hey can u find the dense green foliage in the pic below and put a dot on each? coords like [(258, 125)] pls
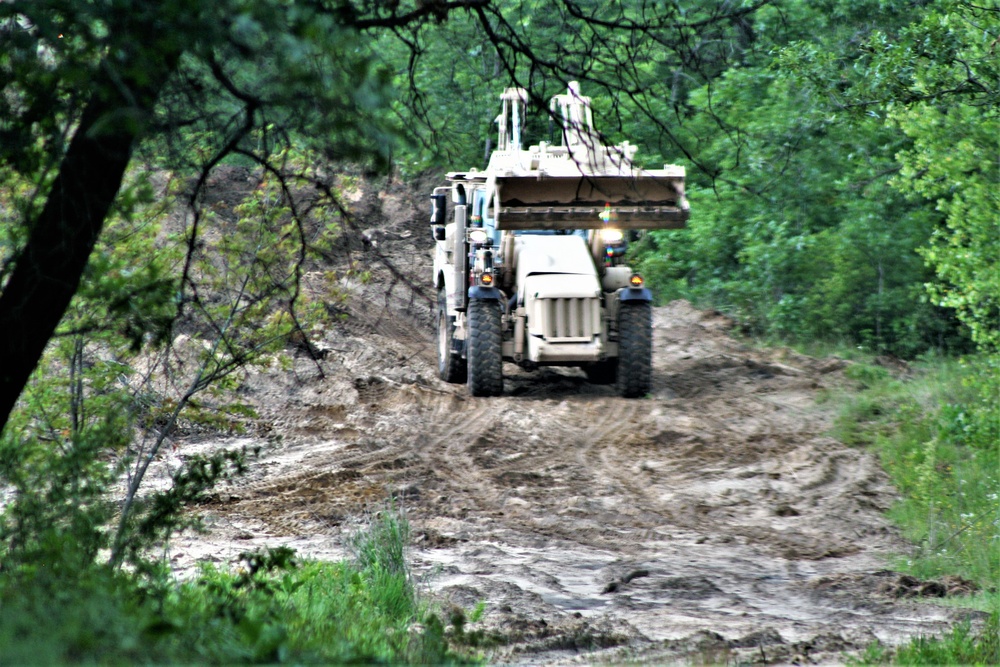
[(842, 156), (937, 435), (837, 192), (272, 609), (937, 431), (961, 646)]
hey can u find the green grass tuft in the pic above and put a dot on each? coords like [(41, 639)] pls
[(937, 433), (961, 646)]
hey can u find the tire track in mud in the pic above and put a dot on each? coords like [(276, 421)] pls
[(451, 431), (706, 523), (614, 502), (714, 515), (597, 450), (519, 476)]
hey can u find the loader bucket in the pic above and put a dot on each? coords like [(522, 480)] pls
[(650, 200)]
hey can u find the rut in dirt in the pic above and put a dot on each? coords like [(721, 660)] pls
[(715, 514)]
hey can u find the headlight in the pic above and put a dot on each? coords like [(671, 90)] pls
[(486, 280), (612, 235), (636, 280), (478, 236)]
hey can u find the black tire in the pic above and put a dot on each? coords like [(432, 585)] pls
[(451, 367), (602, 372), (485, 356), (635, 349)]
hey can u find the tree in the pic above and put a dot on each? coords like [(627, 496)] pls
[(115, 73), (798, 233), (637, 59), (934, 82), (245, 77), (122, 93), (949, 105), (810, 155)]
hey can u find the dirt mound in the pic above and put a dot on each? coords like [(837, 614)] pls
[(714, 517)]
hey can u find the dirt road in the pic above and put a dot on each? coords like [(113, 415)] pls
[(714, 519)]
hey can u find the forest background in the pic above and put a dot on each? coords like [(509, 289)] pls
[(843, 168)]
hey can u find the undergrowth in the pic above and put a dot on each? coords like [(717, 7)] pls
[(272, 609), (937, 432), (961, 646)]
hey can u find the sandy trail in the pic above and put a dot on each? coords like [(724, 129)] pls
[(714, 518)]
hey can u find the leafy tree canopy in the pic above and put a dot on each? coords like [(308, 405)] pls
[(189, 84)]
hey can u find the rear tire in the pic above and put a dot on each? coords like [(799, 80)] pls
[(635, 349), (485, 362), (451, 367)]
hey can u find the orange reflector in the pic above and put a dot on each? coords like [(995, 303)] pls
[(635, 280)]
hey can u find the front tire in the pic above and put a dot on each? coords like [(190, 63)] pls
[(485, 362), (451, 367), (635, 349)]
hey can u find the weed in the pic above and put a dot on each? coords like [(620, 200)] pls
[(961, 646), (382, 544), (866, 374), (938, 436), (271, 608)]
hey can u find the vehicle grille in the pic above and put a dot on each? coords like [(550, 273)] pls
[(570, 319)]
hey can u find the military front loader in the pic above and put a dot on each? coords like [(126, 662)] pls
[(528, 262)]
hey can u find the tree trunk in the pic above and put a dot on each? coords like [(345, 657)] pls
[(48, 269)]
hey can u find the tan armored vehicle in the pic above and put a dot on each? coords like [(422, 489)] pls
[(528, 261)]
